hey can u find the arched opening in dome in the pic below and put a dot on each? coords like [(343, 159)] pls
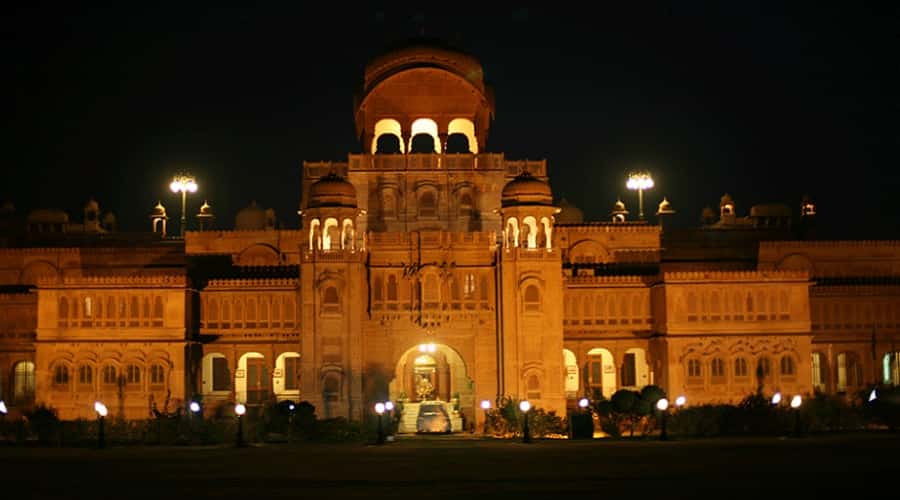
[(465, 127), (457, 143), (388, 144), (422, 143), (428, 127), (390, 128), (331, 234), (529, 232)]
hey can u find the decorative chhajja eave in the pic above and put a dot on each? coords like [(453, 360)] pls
[(254, 283), (733, 276)]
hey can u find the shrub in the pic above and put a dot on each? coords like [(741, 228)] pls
[(506, 421)]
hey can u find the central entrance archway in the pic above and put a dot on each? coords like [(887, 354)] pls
[(432, 376)]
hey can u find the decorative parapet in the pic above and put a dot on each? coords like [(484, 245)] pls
[(609, 227), (161, 280), (432, 239), (611, 280), (710, 276), (243, 234), (231, 283), (537, 168), (413, 161), (531, 253)]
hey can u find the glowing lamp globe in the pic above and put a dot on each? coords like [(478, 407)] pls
[(662, 404), (796, 401), (389, 405), (680, 401), (583, 402), (873, 396), (776, 399), (3, 409), (485, 404), (379, 408), (195, 407), (525, 406), (291, 407), (240, 409), (100, 408)]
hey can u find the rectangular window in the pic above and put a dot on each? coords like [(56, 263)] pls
[(291, 374), (221, 375)]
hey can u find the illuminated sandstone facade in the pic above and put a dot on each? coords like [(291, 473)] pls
[(428, 268)]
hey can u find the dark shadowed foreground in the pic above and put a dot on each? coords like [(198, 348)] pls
[(858, 465)]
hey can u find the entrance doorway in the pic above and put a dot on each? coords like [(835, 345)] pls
[(257, 380)]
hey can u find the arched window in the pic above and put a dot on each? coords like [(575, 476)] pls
[(110, 311), (717, 370), (63, 312), (465, 204), (212, 314), (132, 374), (157, 375), (85, 375), (60, 376), (818, 371), (455, 293), (531, 299), (533, 387), (422, 144), (238, 318), (250, 314), (787, 366), (331, 387), (764, 367), (157, 311), (427, 204), (134, 313), (431, 294), (377, 287), (264, 312), (740, 368), (392, 296), (23, 381), (331, 302), (694, 371), (483, 292), (109, 375), (145, 318)]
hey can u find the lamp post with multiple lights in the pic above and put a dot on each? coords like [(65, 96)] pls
[(639, 181), (183, 184), (101, 410)]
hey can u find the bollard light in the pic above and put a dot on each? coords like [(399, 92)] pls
[(680, 401), (776, 398), (583, 403), (662, 404), (796, 401)]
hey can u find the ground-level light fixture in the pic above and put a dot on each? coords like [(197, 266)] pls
[(680, 401), (583, 403), (776, 398)]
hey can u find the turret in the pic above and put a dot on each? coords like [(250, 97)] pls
[(159, 219)]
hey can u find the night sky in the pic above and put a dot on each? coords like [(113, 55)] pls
[(766, 102)]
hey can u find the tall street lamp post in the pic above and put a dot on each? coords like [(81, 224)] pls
[(239, 410), (485, 405), (524, 406), (663, 406), (639, 181), (101, 410), (379, 410), (183, 184), (796, 401)]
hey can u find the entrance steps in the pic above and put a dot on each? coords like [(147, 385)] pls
[(411, 413)]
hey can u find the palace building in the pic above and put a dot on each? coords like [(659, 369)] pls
[(428, 268)]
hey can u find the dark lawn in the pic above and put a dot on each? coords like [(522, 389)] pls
[(421, 468)]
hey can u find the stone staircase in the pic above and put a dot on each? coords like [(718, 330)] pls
[(411, 413)]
